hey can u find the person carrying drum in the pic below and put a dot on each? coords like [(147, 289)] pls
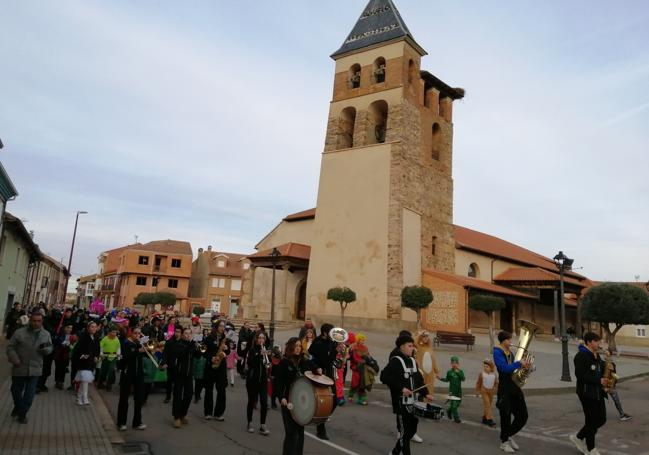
[(324, 351), (292, 366), (400, 375)]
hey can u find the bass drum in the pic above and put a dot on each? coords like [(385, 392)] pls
[(312, 403)]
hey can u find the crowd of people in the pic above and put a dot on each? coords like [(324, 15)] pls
[(193, 362)]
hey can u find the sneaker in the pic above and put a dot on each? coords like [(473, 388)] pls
[(581, 445), (177, 423), (250, 428), (416, 438), (491, 423), (459, 421), (263, 430), (594, 452), (141, 427), (78, 402), (122, 428), (208, 417), (341, 401), (625, 417), (219, 418), (505, 447), (513, 444), (22, 419)]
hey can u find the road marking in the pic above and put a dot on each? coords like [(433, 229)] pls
[(331, 444)]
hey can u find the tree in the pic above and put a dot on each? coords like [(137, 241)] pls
[(615, 303), (344, 296), (488, 304), (164, 299), (416, 298), (198, 310)]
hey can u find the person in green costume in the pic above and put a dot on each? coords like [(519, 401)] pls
[(454, 377)]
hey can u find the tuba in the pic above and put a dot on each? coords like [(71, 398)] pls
[(340, 336), (527, 332)]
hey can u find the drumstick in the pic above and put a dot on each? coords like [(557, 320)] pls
[(422, 387), (289, 406)]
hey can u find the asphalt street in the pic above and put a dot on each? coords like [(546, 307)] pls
[(355, 429)]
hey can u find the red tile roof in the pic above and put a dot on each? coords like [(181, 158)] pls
[(166, 246), (290, 250), (299, 216), (474, 283), (527, 274), (233, 266)]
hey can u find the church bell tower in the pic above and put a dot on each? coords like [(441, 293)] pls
[(385, 197)]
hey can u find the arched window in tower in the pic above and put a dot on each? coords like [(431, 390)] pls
[(474, 270), (355, 76), (377, 122), (379, 70), (346, 124), (436, 140)]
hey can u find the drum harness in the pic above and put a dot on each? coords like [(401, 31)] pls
[(408, 373)]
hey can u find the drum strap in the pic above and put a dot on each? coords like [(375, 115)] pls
[(408, 374)]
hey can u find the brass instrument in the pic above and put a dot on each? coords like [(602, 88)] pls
[(340, 336), (149, 347), (527, 332), (201, 347), (266, 359), (609, 374), (220, 354)]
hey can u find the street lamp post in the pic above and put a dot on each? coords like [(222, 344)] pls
[(74, 236), (273, 256), (563, 263)]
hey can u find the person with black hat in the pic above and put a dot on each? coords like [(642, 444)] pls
[(510, 401), (400, 375), (323, 351)]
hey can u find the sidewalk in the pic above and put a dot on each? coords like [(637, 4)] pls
[(56, 426)]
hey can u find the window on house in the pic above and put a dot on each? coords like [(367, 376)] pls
[(235, 285), (154, 281), (218, 282), (474, 271), (433, 245), (379, 70), (355, 76), (220, 264), (436, 139), (641, 332), (140, 281), (175, 263), (173, 283), (246, 266), (143, 260)]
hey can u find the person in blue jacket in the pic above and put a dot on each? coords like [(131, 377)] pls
[(510, 401)]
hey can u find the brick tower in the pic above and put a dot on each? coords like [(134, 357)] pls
[(385, 197)]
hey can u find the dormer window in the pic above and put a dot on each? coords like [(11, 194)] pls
[(379, 70), (355, 76), (220, 263)]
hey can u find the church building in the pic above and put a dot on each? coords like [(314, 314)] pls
[(384, 215)]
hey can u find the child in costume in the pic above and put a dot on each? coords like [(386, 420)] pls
[(486, 387), (454, 377), (359, 353), (426, 359), (109, 351)]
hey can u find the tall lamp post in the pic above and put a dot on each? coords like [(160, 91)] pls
[(563, 263), (74, 236), (273, 257)]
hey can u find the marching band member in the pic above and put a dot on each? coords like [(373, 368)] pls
[(324, 351), (511, 400), (293, 365), (183, 382), (257, 364), (215, 376), (401, 376), (169, 361), (589, 369), (131, 380)]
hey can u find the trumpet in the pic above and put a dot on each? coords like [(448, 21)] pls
[(266, 359), (149, 347)]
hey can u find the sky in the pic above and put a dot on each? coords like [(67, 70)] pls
[(205, 121)]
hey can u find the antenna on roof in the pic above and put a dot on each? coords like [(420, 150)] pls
[(136, 238)]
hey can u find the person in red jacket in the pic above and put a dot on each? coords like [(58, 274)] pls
[(359, 352)]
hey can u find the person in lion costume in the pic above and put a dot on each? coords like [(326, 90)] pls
[(426, 359)]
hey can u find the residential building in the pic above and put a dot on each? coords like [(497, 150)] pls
[(8, 192), (17, 252), (85, 290), (217, 279), (46, 282)]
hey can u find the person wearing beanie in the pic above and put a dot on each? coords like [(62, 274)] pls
[(510, 401), (486, 387), (402, 377), (454, 377)]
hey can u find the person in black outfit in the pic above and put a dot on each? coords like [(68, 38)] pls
[(257, 365), (183, 358), (50, 323), (323, 350), (243, 346), (13, 319), (86, 354), (131, 380), (62, 355), (293, 365), (589, 370), (154, 329), (400, 375), (169, 362), (510, 400), (215, 377)]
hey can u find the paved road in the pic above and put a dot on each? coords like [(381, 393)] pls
[(370, 430)]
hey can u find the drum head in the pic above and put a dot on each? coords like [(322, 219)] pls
[(319, 378), (302, 396), (427, 363)]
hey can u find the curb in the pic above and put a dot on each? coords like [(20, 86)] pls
[(105, 419)]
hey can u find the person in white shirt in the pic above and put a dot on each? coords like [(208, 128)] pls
[(486, 387)]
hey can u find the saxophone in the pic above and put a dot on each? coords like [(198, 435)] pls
[(220, 354), (528, 330), (609, 372)]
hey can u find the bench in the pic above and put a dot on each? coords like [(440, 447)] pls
[(454, 338)]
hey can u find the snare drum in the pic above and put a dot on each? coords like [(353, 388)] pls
[(428, 410), (312, 402)]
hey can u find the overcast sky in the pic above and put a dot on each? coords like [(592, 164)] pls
[(204, 121)]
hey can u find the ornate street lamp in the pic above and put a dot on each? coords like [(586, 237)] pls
[(273, 257), (74, 236), (563, 263)]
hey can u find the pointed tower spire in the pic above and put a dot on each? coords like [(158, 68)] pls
[(380, 22)]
